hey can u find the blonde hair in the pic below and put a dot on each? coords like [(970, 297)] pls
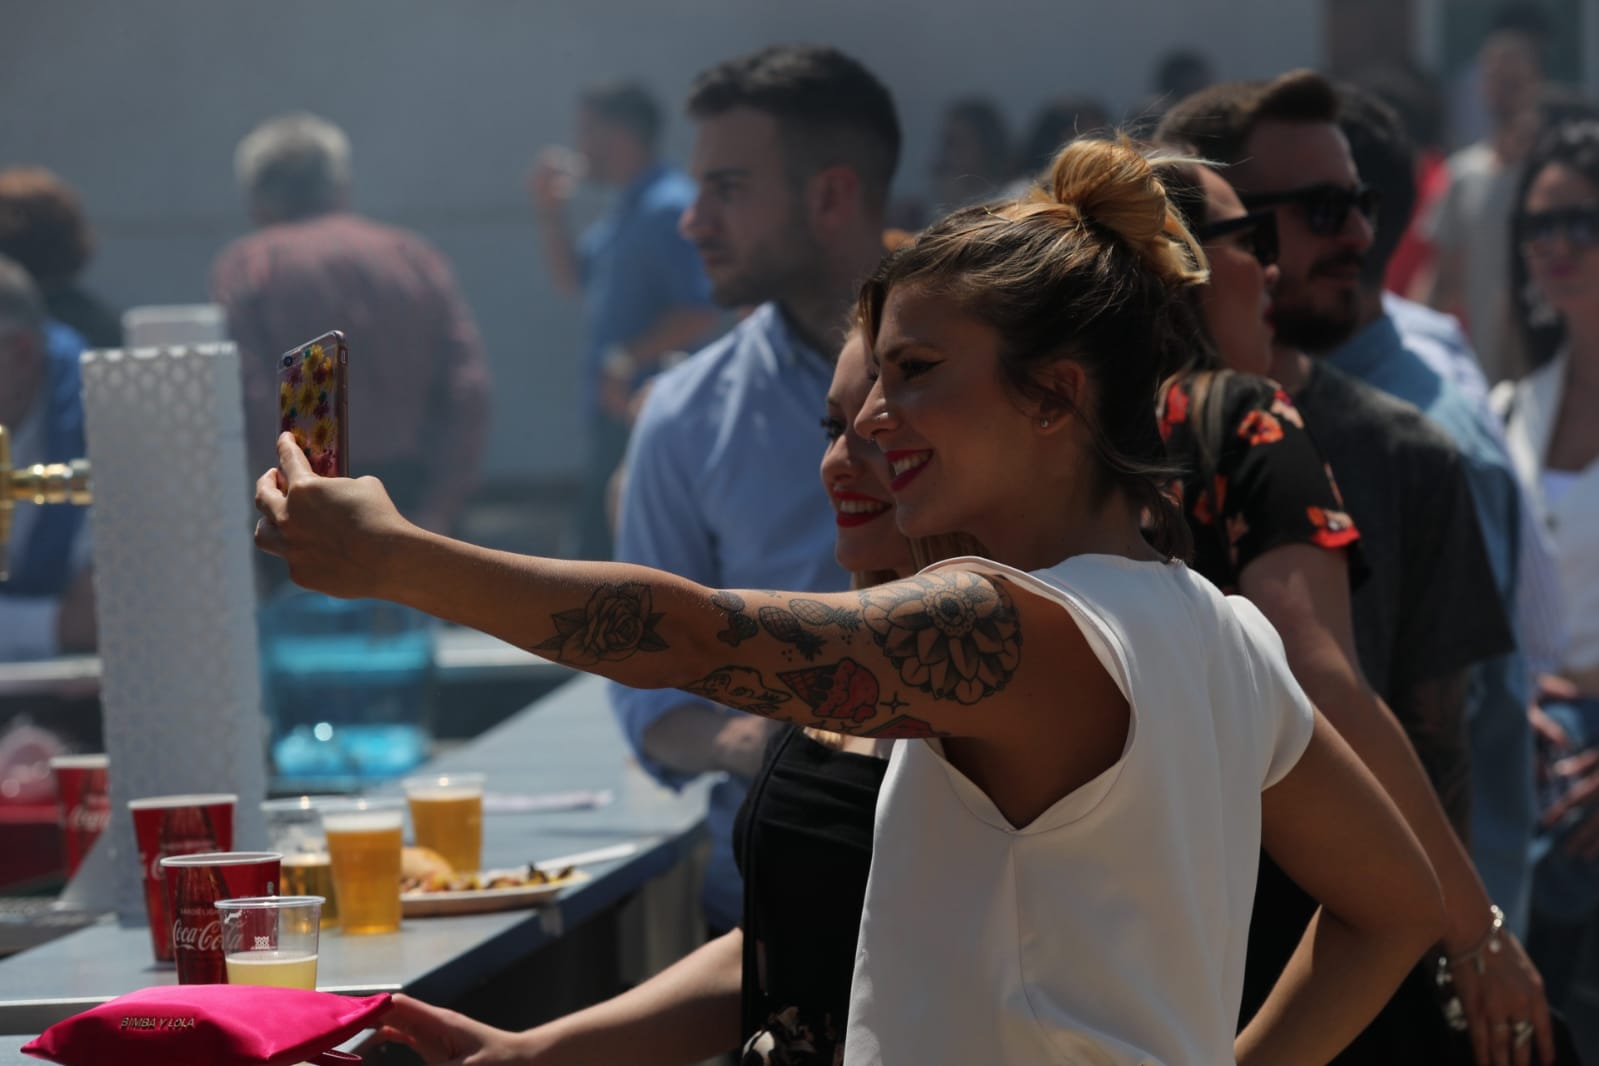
[(1086, 268), (1117, 185)]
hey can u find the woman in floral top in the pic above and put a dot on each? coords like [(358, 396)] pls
[(1268, 523), (1267, 487)]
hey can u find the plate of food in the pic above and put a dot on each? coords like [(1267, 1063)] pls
[(429, 887)]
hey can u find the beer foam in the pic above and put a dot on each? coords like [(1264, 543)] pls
[(459, 792), (307, 859), (362, 821)]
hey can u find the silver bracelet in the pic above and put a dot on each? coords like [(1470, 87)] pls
[(1490, 942)]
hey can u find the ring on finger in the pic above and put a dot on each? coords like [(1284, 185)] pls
[(1523, 1031)]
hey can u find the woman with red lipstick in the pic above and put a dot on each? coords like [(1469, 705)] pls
[(1268, 522), (806, 827), (780, 982), (1063, 863)]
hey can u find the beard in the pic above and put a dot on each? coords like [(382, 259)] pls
[(769, 269), (750, 284), (1317, 330)]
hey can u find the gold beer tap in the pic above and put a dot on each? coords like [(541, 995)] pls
[(40, 483)]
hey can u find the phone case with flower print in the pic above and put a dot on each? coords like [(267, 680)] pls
[(312, 397)]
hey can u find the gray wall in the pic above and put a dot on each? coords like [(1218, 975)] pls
[(139, 103)]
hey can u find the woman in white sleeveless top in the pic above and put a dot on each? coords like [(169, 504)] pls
[(1065, 858)]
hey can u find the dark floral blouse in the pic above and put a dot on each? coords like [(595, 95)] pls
[(1263, 484)]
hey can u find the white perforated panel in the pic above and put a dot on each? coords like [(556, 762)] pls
[(173, 578)]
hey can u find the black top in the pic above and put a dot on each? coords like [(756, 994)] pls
[(1432, 607), (803, 841), (1429, 607)]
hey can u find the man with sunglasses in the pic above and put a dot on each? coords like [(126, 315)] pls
[(1427, 611)]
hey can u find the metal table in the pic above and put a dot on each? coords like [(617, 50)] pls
[(566, 742)]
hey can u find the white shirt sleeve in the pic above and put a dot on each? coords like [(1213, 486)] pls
[(1284, 716)]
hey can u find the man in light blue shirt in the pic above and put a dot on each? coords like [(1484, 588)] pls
[(794, 152), (1381, 353), (644, 294)]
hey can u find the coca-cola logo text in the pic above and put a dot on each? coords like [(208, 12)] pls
[(197, 937), (87, 819)]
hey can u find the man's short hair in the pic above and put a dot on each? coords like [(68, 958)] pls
[(1219, 120), (21, 306), (828, 107), (294, 166), (42, 225), (627, 104), (1386, 159)]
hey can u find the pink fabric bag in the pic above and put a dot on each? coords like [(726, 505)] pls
[(211, 1025)]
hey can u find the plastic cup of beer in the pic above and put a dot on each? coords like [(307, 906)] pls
[(447, 816), (294, 827), (271, 940), (364, 841)]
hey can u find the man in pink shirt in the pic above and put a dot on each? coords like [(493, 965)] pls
[(419, 382)]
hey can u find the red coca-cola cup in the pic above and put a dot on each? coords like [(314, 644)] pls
[(85, 800), (175, 825), (194, 883)]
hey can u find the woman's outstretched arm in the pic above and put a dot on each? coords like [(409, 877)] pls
[(939, 654)]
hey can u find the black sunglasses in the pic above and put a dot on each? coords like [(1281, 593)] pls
[(1258, 228), (1578, 225), (1326, 207)]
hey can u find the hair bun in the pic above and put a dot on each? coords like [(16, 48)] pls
[(1113, 185)]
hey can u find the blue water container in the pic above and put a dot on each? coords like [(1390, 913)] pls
[(348, 687)]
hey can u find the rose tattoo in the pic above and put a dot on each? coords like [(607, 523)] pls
[(616, 623)]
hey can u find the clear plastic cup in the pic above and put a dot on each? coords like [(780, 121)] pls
[(271, 940), (294, 826), (365, 837), (447, 816), (194, 883)]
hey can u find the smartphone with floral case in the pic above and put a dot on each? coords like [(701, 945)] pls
[(312, 398)]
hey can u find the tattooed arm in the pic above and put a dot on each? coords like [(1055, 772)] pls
[(911, 658)]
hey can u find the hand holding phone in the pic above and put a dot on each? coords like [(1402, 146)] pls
[(313, 401)]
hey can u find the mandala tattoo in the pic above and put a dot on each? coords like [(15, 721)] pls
[(615, 624), (844, 690), (740, 626), (955, 635), (741, 688)]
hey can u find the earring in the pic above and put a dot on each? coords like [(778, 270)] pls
[(1043, 423), (1539, 312)]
